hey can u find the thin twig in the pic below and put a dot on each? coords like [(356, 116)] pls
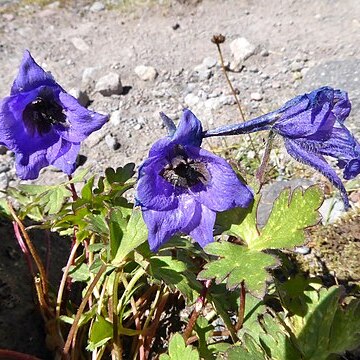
[(260, 174), (74, 326), (234, 94)]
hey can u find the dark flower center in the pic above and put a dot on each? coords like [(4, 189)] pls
[(185, 172), (41, 114)]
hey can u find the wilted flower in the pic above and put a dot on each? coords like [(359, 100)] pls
[(312, 126), (181, 186), (42, 124)]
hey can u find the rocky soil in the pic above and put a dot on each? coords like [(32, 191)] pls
[(133, 59)]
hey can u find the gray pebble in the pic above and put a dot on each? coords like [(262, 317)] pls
[(80, 96), (115, 118), (191, 99), (109, 84), (256, 96), (209, 62), (296, 66), (97, 6), (4, 181), (146, 73), (202, 72), (112, 142)]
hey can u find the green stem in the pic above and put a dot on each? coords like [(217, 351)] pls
[(116, 352), (138, 274), (63, 279)]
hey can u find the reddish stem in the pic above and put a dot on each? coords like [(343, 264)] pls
[(23, 248), (72, 189), (14, 355), (196, 312), (154, 326)]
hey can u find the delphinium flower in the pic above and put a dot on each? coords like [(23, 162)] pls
[(42, 124), (312, 126), (181, 186)]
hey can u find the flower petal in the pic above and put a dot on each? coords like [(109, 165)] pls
[(314, 122), (81, 122), (153, 191), (65, 159), (162, 225), (30, 76), (189, 130), (225, 190), (342, 106), (170, 125), (202, 232), (28, 166), (260, 123), (342, 146), (316, 161)]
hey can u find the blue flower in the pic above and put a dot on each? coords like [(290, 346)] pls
[(312, 126), (181, 186), (42, 124)]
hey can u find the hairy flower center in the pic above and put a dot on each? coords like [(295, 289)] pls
[(185, 172), (41, 114)]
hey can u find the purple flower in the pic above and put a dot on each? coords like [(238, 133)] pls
[(181, 186), (42, 124), (312, 126)]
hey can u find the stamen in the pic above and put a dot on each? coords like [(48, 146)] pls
[(185, 172), (41, 114)]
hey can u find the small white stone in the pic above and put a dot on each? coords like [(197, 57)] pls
[(89, 77), (146, 73), (115, 118), (209, 62), (97, 6), (256, 96), (111, 142), (241, 49), (251, 154), (80, 44), (80, 96), (202, 72), (296, 66), (191, 100), (276, 85), (109, 84)]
